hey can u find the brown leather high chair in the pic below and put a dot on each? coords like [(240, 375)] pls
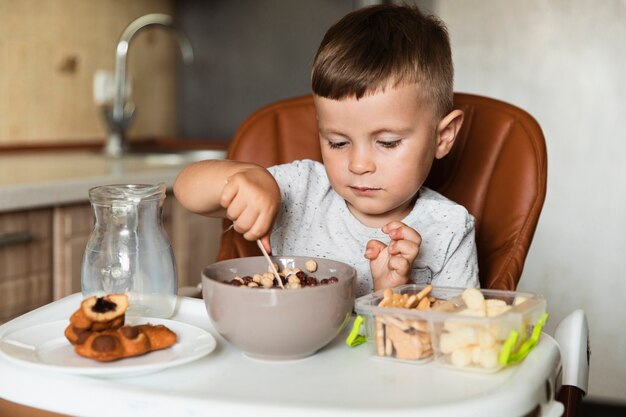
[(497, 169)]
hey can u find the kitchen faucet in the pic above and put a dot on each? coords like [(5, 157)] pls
[(119, 117)]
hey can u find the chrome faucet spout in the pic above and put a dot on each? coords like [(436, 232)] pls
[(119, 117)]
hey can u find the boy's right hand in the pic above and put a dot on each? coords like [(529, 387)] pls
[(251, 198)]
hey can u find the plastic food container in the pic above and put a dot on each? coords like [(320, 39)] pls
[(398, 333), (489, 335), (476, 330)]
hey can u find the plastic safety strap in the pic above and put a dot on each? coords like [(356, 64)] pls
[(508, 356), (355, 338)]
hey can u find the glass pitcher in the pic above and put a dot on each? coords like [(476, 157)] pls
[(129, 251)]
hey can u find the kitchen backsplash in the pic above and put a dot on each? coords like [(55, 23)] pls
[(49, 53)]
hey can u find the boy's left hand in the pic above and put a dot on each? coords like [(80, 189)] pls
[(391, 264)]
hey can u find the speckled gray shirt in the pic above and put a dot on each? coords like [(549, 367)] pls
[(315, 221)]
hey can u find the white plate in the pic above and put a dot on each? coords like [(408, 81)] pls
[(44, 347)]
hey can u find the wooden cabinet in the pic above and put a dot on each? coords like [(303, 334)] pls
[(72, 227), (194, 238), (25, 261)]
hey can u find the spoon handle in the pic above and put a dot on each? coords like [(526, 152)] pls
[(271, 264)]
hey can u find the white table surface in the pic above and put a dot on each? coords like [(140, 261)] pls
[(37, 179), (338, 380)]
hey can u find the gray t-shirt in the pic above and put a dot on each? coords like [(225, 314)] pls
[(314, 221)]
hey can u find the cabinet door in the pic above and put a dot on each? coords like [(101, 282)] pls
[(72, 227), (25, 261), (195, 240)]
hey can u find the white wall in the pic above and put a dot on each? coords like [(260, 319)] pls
[(564, 62)]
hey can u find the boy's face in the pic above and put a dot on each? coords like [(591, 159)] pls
[(378, 151)]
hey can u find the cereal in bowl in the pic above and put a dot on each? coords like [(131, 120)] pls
[(291, 278)]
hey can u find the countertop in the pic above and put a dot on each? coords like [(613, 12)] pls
[(40, 179)]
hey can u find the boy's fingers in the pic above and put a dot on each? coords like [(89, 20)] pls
[(261, 227), (235, 211), (395, 279), (244, 224), (402, 232), (373, 249), (405, 233), (265, 240), (228, 194), (392, 225), (405, 248), (400, 265)]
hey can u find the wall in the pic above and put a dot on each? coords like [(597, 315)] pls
[(249, 53), (49, 52), (563, 61)]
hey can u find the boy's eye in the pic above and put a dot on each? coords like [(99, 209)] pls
[(336, 145), (389, 144)]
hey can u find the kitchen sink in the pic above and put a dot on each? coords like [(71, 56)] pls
[(169, 157)]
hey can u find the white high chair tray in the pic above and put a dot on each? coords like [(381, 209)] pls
[(337, 381)]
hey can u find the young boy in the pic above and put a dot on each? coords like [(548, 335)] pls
[(382, 84)]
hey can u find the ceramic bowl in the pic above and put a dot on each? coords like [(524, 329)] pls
[(277, 324)]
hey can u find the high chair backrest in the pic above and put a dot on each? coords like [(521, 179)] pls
[(497, 169)]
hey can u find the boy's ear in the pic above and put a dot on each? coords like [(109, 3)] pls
[(447, 130)]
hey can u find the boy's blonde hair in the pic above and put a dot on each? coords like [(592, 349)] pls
[(377, 46)]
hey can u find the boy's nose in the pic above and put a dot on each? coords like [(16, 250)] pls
[(361, 162)]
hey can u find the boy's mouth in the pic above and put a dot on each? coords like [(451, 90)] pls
[(362, 190)]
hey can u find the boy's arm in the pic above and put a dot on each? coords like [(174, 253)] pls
[(199, 186), (243, 192)]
